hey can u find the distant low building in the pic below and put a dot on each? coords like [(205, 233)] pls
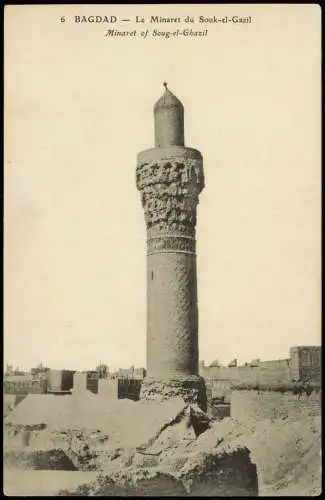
[(139, 373), (125, 372), (255, 362), (131, 373), (306, 363), (60, 380), (9, 370)]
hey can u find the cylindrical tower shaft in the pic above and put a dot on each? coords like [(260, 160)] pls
[(172, 323), (170, 178)]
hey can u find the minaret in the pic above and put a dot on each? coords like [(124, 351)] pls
[(170, 178)]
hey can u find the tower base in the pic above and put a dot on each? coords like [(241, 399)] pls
[(191, 388)]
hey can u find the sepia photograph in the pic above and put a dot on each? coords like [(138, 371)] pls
[(162, 250)]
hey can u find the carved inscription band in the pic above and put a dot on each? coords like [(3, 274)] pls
[(171, 243)]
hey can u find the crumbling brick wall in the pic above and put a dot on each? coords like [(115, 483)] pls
[(273, 404)]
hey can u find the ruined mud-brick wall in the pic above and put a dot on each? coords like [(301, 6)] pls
[(304, 364), (86, 380), (129, 388), (268, 372), (272, 404), (107, 387), (25, 386), (120, 388), (170, 185)]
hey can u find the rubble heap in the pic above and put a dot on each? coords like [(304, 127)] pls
[(138, 448)]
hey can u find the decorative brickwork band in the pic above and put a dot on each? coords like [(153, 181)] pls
[(165, 243)]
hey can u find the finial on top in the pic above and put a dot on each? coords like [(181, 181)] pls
[(169, 120), (167, 100)]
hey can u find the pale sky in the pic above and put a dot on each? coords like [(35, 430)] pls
[(78, 109)]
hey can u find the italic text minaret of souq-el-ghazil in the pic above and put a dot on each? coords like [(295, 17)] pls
[(170, 178)]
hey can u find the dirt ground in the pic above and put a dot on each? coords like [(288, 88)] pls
[(42, 482)]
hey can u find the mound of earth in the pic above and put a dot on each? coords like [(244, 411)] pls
[(141, 448), (87, 429), (287, 452)]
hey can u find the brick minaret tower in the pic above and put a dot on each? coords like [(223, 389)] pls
[(170, 178)]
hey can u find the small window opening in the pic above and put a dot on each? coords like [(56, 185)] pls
[(151, 275)]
